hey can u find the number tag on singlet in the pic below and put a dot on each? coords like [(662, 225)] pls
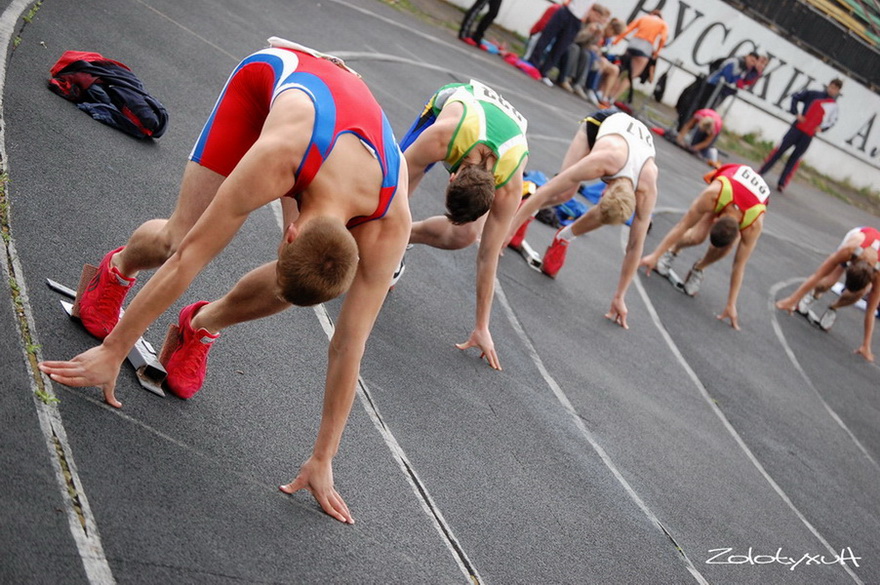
[(752, 181), (639, 131), (486, 94)]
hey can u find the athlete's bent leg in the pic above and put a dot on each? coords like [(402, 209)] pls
[(156, 240)]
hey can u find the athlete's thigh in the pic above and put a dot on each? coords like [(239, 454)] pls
[(197, 190), (578, 149)]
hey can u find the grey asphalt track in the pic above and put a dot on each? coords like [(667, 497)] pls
[(597, 455)]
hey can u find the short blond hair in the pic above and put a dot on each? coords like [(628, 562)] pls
[(618, 202), (707, 125), (319, 264)]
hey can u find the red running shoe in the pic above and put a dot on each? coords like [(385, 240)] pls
[(517, 239), (554, 257), (188, 364), (101, 301)]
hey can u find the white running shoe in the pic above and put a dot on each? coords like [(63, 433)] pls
[(398, 272), (693, 282), (828, 318), (593, 97), (664, 264), (803, 306)]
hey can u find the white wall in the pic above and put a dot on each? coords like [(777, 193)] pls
[(705, 30)]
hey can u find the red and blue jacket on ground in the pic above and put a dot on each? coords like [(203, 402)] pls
[(109, 92)]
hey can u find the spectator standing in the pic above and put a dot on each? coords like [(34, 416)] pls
[(649, 37), (818, 113), (468, 30), (537, 29), (560, 31)]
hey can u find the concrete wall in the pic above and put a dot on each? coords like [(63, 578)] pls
[(705, 30)]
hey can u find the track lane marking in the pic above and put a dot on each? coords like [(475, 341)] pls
[(81, 520), (704, 393), (777, 329)]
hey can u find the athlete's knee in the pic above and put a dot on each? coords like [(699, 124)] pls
[(166, 238)]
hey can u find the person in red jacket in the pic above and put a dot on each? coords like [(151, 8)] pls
[(819, 113), (729, 211)]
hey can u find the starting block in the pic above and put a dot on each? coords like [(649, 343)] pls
[(675, 280), (530, 256), (148, 366)]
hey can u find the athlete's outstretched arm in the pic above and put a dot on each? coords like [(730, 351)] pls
[(380, 244), (744, 249), (493, 238), (646, 198), (870, 316)]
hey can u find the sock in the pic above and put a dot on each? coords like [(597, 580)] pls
[(566, 234)]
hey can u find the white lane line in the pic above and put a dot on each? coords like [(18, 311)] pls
[(724, 421), (582, 427), (81, 521), (431, 509), (771, 306), (189, 31)]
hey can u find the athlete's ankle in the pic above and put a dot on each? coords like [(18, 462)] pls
[(201, 319), (566, 234), (117, 261)]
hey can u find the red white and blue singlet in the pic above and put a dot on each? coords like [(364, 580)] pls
[(343, 104)]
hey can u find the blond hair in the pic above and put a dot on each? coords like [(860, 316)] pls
[(319, 264), (707, 125), (618, 202)]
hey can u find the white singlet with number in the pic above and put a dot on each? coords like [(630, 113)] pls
[(639, 140)]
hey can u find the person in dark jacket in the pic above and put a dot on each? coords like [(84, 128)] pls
[(470, 30), (818, 113)]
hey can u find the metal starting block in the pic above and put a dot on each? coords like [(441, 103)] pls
[(675, 280), (530, 256), (142, 357)]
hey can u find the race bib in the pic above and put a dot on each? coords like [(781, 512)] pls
[(640, 132), (488, 95), (752, 181)]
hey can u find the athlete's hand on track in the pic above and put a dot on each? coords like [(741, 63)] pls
[(482, 339), (317, 476), (729, 313), (618, 312), (649, 263), (94, 367)]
